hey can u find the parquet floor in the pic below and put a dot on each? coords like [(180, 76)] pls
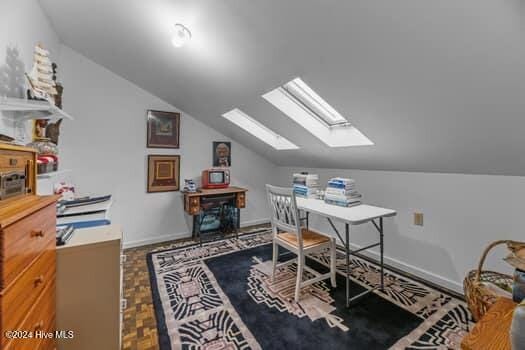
[(139, 325)]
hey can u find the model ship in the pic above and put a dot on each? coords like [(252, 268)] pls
[(42, 85)]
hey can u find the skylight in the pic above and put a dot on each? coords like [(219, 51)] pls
[(303, 94), (242, 120), (304, 106)]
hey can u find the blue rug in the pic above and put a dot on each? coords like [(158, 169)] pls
[(220, 296)]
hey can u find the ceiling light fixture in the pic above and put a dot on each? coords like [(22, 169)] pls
[(181, 36), (242, 120)]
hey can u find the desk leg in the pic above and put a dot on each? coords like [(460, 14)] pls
[(237, 223), (196, 229), (347, 248), (382, 251), (307, 220)]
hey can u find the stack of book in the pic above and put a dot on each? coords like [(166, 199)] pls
[(305, 185), (342, 192)]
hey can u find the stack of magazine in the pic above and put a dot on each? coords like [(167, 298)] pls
[(342, 191), (84, 212)]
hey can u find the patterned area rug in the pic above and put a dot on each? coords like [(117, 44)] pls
[(220, 296)]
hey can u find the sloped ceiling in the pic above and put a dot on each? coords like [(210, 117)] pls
[(438, 86)]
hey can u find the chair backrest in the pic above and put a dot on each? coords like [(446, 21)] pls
[(284, 212)]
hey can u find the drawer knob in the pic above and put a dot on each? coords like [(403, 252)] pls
[(37, 233), (39, 325), (39, 280)]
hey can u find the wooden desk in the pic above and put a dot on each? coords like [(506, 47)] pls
[(192, 200), (196, 202), (356, 215)]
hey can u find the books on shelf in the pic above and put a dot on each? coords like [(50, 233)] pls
[(305, 185), (342, 192)]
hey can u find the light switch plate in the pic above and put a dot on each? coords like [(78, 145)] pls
[(418, 219)]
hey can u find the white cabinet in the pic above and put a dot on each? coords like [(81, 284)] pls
[(89, 289)]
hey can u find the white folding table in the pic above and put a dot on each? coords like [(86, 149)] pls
[(356, 215)]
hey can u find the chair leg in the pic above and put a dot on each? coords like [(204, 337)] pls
[(300, 268), (333, 256), (274, 258)]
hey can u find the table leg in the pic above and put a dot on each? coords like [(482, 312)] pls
[(307, 219), (347, 251), (196, 228), (237, 223), (382, 251)]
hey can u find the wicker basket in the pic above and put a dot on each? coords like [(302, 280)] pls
[(479, 297)]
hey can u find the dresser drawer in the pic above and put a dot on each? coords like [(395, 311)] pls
[(40, 318), (11, 160), (22, 295), (24, 240)]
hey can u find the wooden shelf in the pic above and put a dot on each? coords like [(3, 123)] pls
[(31, 109)]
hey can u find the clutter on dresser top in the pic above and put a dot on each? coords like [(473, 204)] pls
[(17, 171)]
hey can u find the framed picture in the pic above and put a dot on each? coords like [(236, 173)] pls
[(163, 173), (222, 154), (163, 129)]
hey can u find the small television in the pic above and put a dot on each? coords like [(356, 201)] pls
[(215, 178)]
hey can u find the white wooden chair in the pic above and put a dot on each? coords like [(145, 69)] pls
[(288, 233)]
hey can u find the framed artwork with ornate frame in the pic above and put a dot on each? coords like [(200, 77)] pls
[(163, 129), (163, 173)]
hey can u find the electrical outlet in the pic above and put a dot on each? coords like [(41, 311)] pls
[(418, 219)]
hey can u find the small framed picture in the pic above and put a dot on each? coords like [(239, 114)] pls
[(163, 129), (163, 173), (222, 154)]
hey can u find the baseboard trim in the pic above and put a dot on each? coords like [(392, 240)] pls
[(255, 222), (155, 240), (181, 235), (413, 272)]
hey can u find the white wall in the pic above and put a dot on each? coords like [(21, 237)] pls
[(22, 25), (106, 148), (462, 214), (105, 145)]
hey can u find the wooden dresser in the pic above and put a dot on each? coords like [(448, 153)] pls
[(492, 332), (27, 271)]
